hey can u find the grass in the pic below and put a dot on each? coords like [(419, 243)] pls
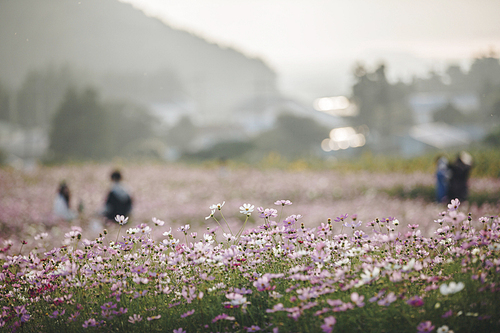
[(428, 194)]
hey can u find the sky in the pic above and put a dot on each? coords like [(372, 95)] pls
[(314, 45)]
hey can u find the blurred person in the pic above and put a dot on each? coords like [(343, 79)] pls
[(460, 171), (61, 206), (118, 201), (443, 174)]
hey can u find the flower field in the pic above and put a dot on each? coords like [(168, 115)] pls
[(217, 250)]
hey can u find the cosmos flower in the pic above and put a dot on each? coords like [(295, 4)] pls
[(452, 288), (246, 209), (158, 222), (212, 212), (122, 220), (425, 326), (217, 206), (134, 319), (328, 324)]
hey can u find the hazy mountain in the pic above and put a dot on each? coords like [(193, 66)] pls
[(125, 54)]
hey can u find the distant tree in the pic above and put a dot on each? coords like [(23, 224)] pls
[(292, 137), (86, 128), (4, 104), (79, 128), (382, 106), (493, 138), (40, 94), (495, 110), (129, 126), (182, 134), (484, 72), (449, 114)]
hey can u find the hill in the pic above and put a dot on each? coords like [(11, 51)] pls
[(126, 54)]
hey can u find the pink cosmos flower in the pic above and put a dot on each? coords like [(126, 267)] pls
[(262, 283), (108, 306), (179, 330), (222, 316), (388, 300), (327, 327), (56, 313), (90, 323), (134, 319), (415, 301), (425, 326), (455, 217), (341, 218), (154, 317), (357, 299), (447, 314), (187, 314), (268, 212), (73, 317)]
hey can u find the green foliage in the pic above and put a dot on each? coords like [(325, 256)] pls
[(182, 134), (223, 150), (449, 114), (130, 131), (428, 194), (79, 128), (292, 137), (40, 95), (86, 128), (4, 104), (493, 138), (382, 106), (486, 163)]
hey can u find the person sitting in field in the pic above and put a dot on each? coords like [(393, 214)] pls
[(61, 207), (118, 201)]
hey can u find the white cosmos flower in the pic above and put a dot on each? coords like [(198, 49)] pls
[(41, 236), (158, 222), (217, 207), (409, 266), (211, 214), (452, 288), (133, 231), (247, 209), (443, 329), (368, 275), (122, 220)]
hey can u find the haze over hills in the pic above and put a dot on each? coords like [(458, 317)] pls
[(126, 54)]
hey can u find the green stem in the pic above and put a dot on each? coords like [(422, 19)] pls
[(279, 217), (241, 230), (219, 224), (226, 223), (116, 241)]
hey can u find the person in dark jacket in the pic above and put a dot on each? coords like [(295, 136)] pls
[(118, 201), (460, 170)]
